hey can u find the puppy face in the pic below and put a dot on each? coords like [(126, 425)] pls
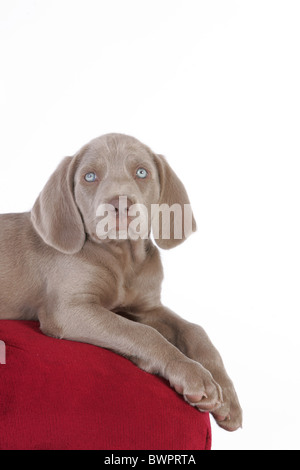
[(116, 183), (110, 190)]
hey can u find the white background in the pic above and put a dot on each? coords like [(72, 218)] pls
[(215, 86)]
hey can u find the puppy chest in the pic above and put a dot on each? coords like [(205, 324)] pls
[(129, 279), (141, 289)]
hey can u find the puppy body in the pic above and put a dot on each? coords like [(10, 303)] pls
[(34, 276), (55, 269)]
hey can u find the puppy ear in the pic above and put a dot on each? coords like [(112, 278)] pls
[(178, 223), (55, 215)]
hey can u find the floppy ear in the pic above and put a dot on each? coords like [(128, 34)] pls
[(173, 192), (55, 215)]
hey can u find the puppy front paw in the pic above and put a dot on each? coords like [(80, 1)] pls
[(196, 384), (230, 415)]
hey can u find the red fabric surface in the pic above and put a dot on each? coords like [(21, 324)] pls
[(62, 395)]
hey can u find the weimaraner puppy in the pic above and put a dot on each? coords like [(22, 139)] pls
[(56, 266)]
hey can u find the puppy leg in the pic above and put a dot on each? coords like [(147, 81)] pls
[(194, 343), (143, 345)]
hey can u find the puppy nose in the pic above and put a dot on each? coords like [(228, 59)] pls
[(121, 204)]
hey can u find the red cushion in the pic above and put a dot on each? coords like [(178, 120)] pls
[(63, 395)]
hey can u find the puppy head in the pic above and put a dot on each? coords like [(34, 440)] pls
[(113, 188)]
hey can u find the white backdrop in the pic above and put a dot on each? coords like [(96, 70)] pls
[(213, 85)]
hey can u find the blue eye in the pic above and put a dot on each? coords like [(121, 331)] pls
[(90, 177), (142, 173)]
